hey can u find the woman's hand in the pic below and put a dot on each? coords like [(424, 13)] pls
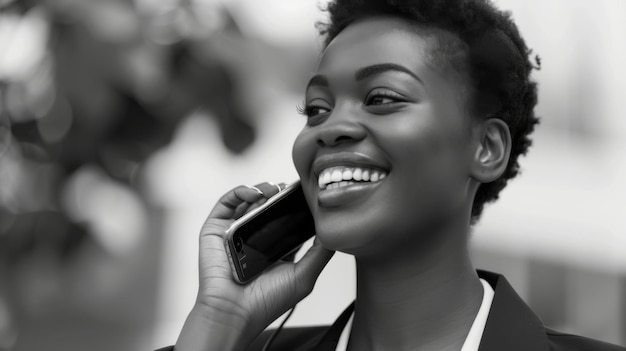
[(227, 315)]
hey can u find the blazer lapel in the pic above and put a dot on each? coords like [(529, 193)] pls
[(331, 338), (511, 324)]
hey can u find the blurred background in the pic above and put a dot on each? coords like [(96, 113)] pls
[(123, 121)]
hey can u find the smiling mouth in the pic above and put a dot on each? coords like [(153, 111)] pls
[(340, 176)]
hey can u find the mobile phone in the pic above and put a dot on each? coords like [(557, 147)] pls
[(268, 233)]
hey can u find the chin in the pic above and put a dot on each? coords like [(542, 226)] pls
[(371, 234), (334, 238), (349, 235)]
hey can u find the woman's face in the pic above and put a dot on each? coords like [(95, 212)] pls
[(385, 154)]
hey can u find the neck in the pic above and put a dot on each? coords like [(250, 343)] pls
[(419, 299)]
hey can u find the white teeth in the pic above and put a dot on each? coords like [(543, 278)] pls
[(326, 177), (347, 174), (338, 176), (336, 185)]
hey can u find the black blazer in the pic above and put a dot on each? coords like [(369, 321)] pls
[(511, 326)]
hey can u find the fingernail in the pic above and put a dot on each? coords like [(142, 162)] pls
[(256, 189), (275, 185)]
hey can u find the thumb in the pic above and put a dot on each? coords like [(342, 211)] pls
[(310, 266)]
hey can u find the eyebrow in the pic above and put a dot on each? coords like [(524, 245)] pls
[(366, 72), (317, 80), (369, 71)]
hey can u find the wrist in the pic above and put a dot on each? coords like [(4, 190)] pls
[(210, 328)]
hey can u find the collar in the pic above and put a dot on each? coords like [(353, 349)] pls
[(511, 325), (478, 326), (473, 336)]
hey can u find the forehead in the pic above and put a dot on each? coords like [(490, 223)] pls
[(378, 40)]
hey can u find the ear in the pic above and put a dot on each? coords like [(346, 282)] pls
[(492, 150)]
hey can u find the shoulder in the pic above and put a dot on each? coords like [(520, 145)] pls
[(290, 339), (568, 342)]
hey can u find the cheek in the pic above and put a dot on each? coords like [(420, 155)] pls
[(420, 141), (429, 161), (302, 153)]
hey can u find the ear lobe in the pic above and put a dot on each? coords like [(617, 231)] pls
[(492, 151)]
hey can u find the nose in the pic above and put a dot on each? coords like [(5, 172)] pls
[(337, 129)]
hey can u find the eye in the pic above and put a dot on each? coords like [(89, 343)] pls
[(312, 109), (383, 97)]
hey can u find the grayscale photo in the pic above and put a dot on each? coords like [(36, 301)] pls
[(312, 175)]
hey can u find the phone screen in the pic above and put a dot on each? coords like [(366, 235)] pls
[(272, 234)]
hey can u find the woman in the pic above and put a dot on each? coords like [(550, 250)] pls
[(435, 98)]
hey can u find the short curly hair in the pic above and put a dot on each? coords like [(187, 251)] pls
[(496, 60)]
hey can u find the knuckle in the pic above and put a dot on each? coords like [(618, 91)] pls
[(304, 286), (227, 194), (210, 228)]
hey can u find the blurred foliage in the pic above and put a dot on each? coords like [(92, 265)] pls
[(99, 83), (96, 87)]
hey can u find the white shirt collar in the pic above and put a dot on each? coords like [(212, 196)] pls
[(472, 341)]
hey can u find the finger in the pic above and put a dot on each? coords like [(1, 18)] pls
[(213, 257), (228, 203), (277, 186), (255, 205), (310, 266), (268, 189), (247, 207)]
